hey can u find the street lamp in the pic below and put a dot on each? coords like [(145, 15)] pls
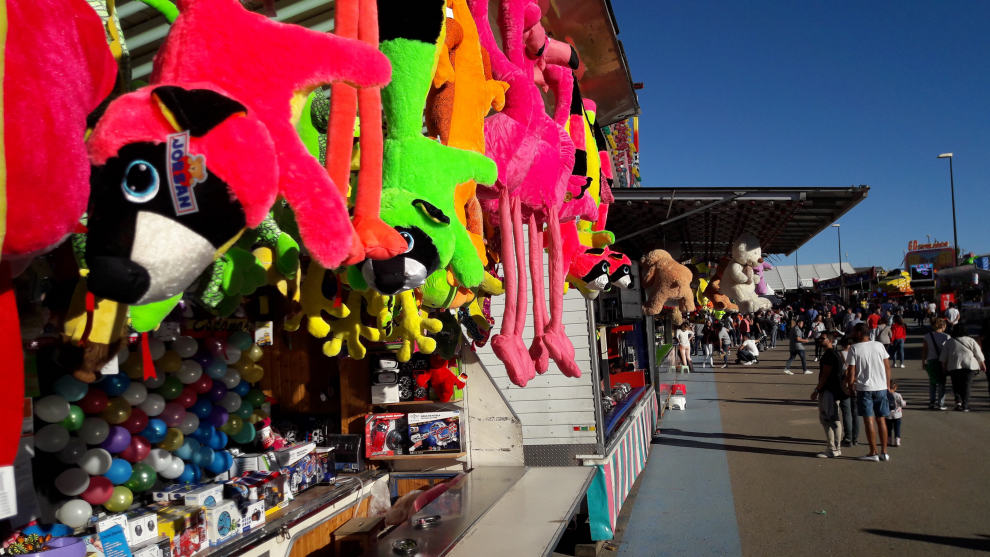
[(952, 186), (842, 280)]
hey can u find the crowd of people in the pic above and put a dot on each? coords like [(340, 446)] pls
[(856, 348)]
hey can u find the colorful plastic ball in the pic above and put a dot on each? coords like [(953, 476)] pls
[(174, 470), (172, 414), (155, 431), (113, 385), (189, 373), (217, 392), (186, 399), (73, 451), (203, 357), (255, 353), (118, 440), (75, 513), (218, 417), (99, 491), (245, 410), (242, 388), (231, 378), (203, 457), (241, 339), (137, 451), (52, 438), (189, 423), (158, 459), (120, 499), (222, 461), (202, 408), (156, 348), (242, 364), (52, 408), (173, 440), (117, 411), (202, 385), (253, 373), (215, 345), (171, 388), (168, 363), (255, 397), (156, 381), (230, 402), (94, 402), (246, 435), (153, 405), (96, 462), (119, 472), (188, 475), (203, 433), (72, 482), (232, 354), (187, 450), (216, 369), (185, 346), (75, 419), (137, 422), (142, 478), (70, 388), (234, 424), (133, 368), (135, 394), (94, 430), (218, 440)]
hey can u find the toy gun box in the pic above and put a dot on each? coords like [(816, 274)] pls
[(434, 431)]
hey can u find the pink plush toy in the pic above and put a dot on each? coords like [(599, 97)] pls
[(762, 288)]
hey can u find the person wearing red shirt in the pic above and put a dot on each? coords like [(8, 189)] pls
[(899, 335), (873, 321)]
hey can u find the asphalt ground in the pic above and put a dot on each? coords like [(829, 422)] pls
[(931, 498)]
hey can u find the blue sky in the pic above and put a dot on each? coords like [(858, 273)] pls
[(822, 94)]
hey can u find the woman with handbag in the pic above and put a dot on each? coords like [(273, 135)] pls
[(885, 335), (931, 350), (962, 360)]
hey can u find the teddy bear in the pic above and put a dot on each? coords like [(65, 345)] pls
[(738, 281), (762, 288), (665, 279)]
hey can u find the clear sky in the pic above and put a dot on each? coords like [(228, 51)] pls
[(802, 93)]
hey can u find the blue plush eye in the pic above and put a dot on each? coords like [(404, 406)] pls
[(409, 240), (141, 182)]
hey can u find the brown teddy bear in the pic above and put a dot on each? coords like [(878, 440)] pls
[(665, 279)]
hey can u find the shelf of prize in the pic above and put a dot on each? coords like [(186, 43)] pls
[(420, 403), (429, 454)]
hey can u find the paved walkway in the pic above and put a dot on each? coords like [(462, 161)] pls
[(736, 474)]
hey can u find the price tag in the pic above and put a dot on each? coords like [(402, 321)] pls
[(8, 492), (112, 368)]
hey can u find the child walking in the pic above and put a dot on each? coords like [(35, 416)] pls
[(896, 403)]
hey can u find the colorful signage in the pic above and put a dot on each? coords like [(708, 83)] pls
[(923, 271)]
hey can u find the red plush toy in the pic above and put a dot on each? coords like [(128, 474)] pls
[(441, 378)]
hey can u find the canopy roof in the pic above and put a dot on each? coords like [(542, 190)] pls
[(785, 277), (703, 222)]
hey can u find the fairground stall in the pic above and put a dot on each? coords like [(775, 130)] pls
[(923, 262), (967, 286)]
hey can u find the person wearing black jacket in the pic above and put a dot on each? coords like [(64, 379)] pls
[(829, 395)]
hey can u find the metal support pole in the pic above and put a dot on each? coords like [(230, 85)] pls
[(955, 237)]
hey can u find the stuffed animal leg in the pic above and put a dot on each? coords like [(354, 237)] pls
[(409, 327), (349, 330), (321, 291)]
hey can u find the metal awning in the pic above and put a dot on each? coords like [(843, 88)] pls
[(783, 219)]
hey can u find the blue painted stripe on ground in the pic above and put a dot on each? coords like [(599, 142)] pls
[(684, 505)]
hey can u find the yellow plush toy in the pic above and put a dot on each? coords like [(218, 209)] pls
[(321, 291), (349, 330), (97, 329), (409, 327)]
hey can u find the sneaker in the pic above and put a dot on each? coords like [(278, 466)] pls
[(943, 407), (885, 457), (816, 358), (748, 363), (723, 366), (966, 409), (847, 444), (897, 442), (870, 458), (788, 372), (931, 406), (958, 408), (807, 372), (829, 454)]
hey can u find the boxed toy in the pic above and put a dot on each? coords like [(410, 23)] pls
[(158, 547), (293, 453), (162, 495), (204, 496), (179, 495), (347, 453), (223, 521), (186, 527), (252, 515), (143, 526), (105, 522), (384, 378), (385, 435), (304, 474), (328, 464), (434, 431), (270, 487)]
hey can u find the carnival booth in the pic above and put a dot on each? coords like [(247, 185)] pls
[(261, 306)]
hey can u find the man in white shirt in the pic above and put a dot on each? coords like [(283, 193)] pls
[(868, 372), (952, 315), (748, 353)]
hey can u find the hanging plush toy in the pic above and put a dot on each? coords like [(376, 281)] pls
[(441, 378), (420, 175), (665, 279), (183, 166), (738, 282)]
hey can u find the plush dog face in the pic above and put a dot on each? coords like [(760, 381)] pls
[(406, 271), (159, 213)]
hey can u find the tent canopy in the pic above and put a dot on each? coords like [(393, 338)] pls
[(785, 277)]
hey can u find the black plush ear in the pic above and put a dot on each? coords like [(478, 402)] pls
[(580, 162), (431, 211), (573, 62), (196, 110)]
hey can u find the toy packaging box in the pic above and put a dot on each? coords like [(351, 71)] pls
[(143, 526), (158, 547), (305, 473), (252, 514), (434, 431), (270, 487), (205, 496), (223, 521), (254, 461), (385, 435), (186, 527), (328, 463), (294, 453)]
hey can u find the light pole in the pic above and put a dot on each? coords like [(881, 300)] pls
[(952, 187), (842, 280)]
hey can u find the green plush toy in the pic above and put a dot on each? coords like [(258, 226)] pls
[(224, 283), (420, 174)]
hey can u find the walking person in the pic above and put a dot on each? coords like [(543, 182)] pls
[(896, 403), (868, 372), (708, 338), (884, 335), (952, 315), (817, 328), (696, 346), (931, 350), (850, 421), (724, 342), (962, 359), (830, 395), (684, 337), (797, 342), (898, 337), (873, 321)]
